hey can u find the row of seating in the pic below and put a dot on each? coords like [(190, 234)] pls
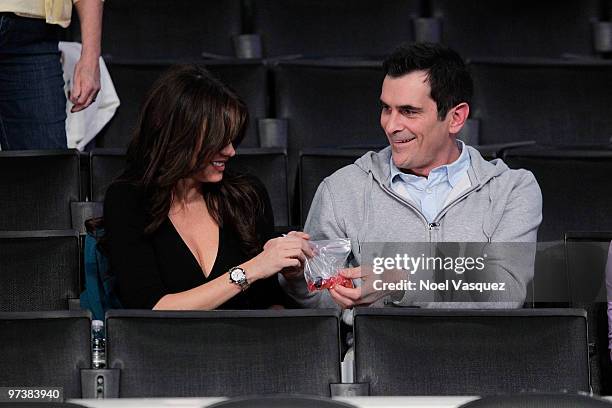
[(39, 188), (41, 270), (336, 103), (316, 28), (58, 190), (330, 103), (228, 353)]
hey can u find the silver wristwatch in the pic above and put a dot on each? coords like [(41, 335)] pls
[(237, 275)]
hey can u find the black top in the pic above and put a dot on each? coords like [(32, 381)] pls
[(149, 267)]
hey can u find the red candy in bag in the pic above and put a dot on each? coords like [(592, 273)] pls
[(329, 283), (321, 271)]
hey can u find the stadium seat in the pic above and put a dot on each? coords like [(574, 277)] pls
[(39, 270), (586, 254), (281, 401), (37, 189), (548, 101), (539, 400), (133, 79), (550, 284), (270, 166), (105, 166), (45, 349), (333, 28), (548, 28), (328, 104), (170, 29), (470, 352), (315, 165), (575, 186), (224, 353)]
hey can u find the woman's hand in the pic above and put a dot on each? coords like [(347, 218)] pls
[(297, 272), (289, 251)]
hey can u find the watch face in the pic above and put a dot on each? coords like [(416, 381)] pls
[(237, 275)]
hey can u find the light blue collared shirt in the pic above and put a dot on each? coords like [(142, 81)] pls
[(430, 193)]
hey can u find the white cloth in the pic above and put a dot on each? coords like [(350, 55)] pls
[(82, 127)]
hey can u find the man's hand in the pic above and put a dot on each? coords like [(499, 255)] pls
[(360, 295), (86, 83), (365, 294)]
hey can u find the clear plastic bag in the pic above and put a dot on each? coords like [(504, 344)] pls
[(321, 271)]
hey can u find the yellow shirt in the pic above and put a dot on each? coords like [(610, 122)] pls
[(53, 11)]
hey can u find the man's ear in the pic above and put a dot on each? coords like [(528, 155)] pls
[(459, 115)]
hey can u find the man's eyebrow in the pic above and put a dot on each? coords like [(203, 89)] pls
[(410, 108), (404, 107)]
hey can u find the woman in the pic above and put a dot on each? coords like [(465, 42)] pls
[(181, 231)]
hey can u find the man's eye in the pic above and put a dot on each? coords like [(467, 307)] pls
[(408, 112)]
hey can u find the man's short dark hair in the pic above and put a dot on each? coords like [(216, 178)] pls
[(447, 73)]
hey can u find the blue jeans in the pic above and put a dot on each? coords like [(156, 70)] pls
[(32, 99)]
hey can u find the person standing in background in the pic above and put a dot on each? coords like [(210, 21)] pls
[(32, 99)]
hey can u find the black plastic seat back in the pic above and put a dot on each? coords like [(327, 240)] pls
[(39, 270), (45, 349), (37, 189), (270, 166), (328, 104), (575, 188), (105, 166), (315, 165), (224, 353), (281, 401), (538, 400), (547, 28), (333, 28), (146, 29), (548, 101), (470, 352), (133, 80)]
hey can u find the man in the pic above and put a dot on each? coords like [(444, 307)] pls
[(426, 186)]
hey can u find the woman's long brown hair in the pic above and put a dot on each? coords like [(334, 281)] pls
[(187, 118)]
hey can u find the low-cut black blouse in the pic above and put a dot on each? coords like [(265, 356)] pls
[(148, 267)]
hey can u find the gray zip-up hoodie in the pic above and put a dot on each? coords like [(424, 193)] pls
[(492, 203)]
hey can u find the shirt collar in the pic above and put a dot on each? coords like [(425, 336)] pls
[(454, 171)]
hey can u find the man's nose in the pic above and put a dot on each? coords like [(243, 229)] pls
[(393, 124)]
